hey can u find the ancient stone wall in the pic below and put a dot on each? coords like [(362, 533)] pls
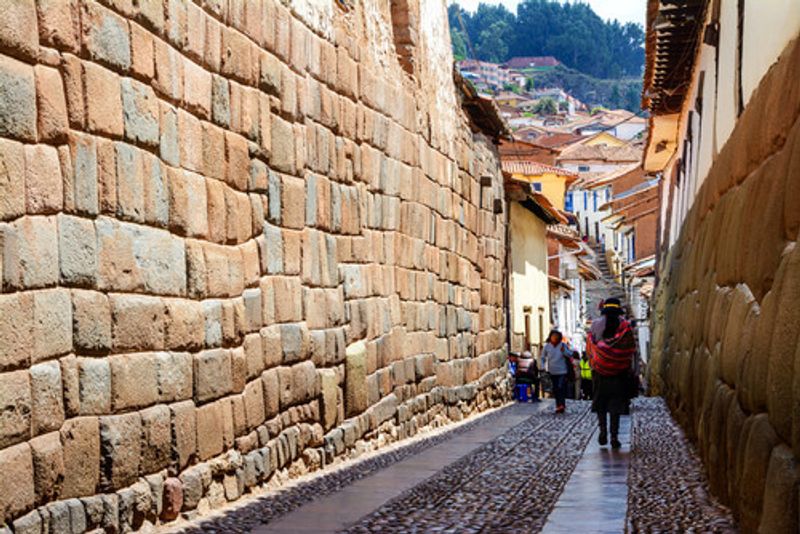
[(727, 315), (239, 240)]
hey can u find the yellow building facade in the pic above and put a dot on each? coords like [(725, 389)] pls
[(529, 290)]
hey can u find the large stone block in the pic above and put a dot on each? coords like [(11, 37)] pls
[(44, 189), (134, 380), (329, 406), (272, 392), (48, 466), (77, 251), (213, 375), (210, 425), (17, 105), (81, 184), (12, 183), (185, 324), (137, 322), (16, 464), (94, 378), (786, 332), (15, 398), (780, 493), (760, 441), (16, 330), (106, 36), (355, 379), (91, 320), (51, 104), (47, 408), (129, 183), (173, 376), (140, 113), (156, 439), (30, 258), (184, 432), (52, 323), (133, 257), (103, 101), (120, 438)]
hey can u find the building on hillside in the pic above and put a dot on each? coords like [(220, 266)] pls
[(551, 181), (558, 140), (620, 123), (567, 273), (722, 86), (595, 163), (485, 74), (601, 138), (628, 236), (533, 63), (529, 133), (521, 150), (585, 158), (530, 213)]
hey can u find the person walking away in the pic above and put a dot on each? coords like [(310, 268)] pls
[(586, 377), (528, 374), (612, 359), (558, 364)]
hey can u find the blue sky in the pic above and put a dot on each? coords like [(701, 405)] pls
[(622, 10)]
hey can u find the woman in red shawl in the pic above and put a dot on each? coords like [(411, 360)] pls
[(612, 352)]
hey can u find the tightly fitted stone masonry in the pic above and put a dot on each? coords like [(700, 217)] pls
[(238, 241), (728, 311)]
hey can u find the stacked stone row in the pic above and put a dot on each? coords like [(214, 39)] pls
[(202, 206)]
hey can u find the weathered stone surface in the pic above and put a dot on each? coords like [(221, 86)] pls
[(106, 36), (355, 379), (17, 112), (48, 466), (77, 251), (137, 322), (780, 492), (30, 257), (134, 380), (80, 438), (120, 439), (213, 374), (330, 398), (91, 314), (52, 323), (184, 430), (15, 398), (210, 425), (173, 499), (47, 406), (156, 439), (16, 464)]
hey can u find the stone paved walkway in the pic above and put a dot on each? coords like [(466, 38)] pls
[(520, 469)]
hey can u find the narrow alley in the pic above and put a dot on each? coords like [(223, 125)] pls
[(518, 469), (356, 266)]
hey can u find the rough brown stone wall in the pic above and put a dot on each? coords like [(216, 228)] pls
[(238, 242), (727, 321)]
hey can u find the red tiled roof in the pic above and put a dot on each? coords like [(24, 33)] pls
[(522, 62), (533, 168), (557, 140)]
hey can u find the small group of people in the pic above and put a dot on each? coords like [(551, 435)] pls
[(607, 369)]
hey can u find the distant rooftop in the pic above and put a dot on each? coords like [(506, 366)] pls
[(524, 62)]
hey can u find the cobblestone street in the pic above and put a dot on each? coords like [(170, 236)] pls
[(518, 469)]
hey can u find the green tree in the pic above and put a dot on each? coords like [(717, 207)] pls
[(546, 106), (459, 45), (570, 31)]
